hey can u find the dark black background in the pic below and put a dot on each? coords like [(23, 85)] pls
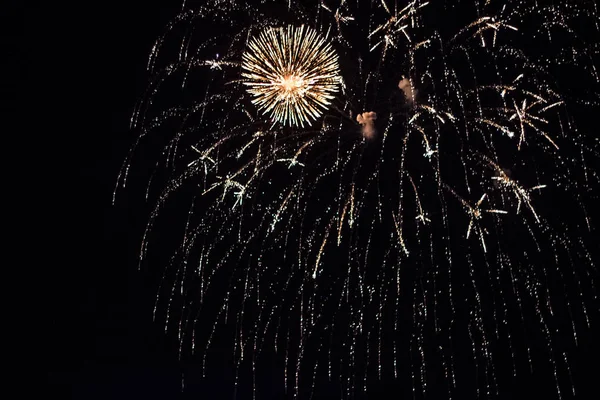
[(88, 67)]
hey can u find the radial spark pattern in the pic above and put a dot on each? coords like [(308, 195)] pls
[(292, 73)]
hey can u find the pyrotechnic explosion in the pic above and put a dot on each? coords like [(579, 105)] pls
[(292, 73), (353, 258)]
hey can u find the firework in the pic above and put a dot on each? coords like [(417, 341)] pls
[(292, 73), (412, 230)]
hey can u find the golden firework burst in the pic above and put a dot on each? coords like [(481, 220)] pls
[(292, 74)]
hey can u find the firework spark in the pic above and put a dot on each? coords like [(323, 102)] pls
[(432, 245), (292, 73)]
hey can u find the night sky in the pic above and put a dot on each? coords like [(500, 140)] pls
[(101, 342)]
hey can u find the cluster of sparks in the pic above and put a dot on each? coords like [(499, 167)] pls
[(292, 73), (425, 186)]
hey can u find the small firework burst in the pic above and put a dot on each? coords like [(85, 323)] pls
[(292, 73)]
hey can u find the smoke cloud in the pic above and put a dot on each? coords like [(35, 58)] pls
[(407, 89), (368, 126)]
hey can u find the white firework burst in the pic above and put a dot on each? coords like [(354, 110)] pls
[(292, 74)]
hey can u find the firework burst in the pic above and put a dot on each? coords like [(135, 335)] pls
[(292, 73), (414, 228)]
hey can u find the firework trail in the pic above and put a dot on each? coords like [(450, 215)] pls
[(373, 187)]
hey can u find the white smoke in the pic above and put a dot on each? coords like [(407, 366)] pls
[(407, 89), (368, 126)]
